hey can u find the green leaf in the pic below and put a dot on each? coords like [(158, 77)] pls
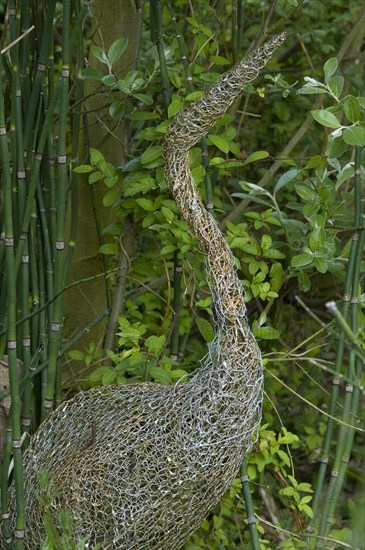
[(108, 377), (144, 98), (287, 438), (304, 281), (335, 147), (321, 265), (160, 375), (220, 142), (169, 215), (194, 96), (317, 239), (178, 373), (216, 160), (90, 72), (284, 457), (219, 60), (167, 249), (352, 109), (309, 90), (307, 510), (110, 181), (257, 155), (117, 49), (301, 260), (154, 344), (83, 169), (274, 254), (116, 108), (76, 354), (96, 156), (205, 329), (329, 68), (266, 333), (326, 118), (109, 80), (336, 85), (257, 189), (305, 192), (109, 248), (151, 154), (287, 491), (316, 162), (146, 204), (305, 486), (175, 79), (260, 461), (111, 197), (247, 196), (286, 178), (95, 176), (176, 104), (354, 135), (99, 53), (142, 186)]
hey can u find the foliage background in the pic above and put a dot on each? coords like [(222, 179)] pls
[(284, 191)]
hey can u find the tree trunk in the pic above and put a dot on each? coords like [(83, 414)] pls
[(112, 20)]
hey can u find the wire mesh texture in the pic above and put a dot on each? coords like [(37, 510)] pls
[(140, 466)]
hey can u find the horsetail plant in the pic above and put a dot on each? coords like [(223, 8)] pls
[(33, 226), (60, 255), (10, 275)]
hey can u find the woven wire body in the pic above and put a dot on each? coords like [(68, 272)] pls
[(140, 466)]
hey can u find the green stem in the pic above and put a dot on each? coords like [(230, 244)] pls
[(235, 30), (11, 326), (60, 254), (251, 519), (35, 94)]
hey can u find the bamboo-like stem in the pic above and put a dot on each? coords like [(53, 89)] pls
[(34, 178), (34, 283), (6, 524), (11, 327), (76, 126), (235, 30), (251, 519), (42, 326), (156, 30), (60, 253), (239, 23), (39, 78)]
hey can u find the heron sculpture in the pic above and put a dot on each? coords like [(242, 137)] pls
[(140, 466)]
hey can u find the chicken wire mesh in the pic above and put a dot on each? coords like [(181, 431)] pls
[(140, 466)]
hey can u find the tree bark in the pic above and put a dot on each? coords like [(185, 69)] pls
[(113, 19)]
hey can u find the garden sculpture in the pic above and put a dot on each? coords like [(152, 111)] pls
[(140, 466)]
